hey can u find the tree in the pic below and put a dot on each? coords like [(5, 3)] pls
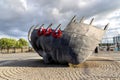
[(22, 42), (7, 43), (10, 43)]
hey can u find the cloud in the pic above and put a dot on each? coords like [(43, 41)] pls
[(16, 16)]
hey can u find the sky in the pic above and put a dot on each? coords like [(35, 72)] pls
[(17, 16)]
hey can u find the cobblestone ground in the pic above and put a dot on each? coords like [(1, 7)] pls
[(29, 66)]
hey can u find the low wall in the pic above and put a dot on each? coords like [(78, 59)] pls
[(16, 50)]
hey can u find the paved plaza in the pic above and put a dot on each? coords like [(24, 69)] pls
[(29, 66)]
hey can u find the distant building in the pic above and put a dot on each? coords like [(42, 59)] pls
[(116, 41)]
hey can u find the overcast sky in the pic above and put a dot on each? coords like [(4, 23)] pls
[(17, 16)]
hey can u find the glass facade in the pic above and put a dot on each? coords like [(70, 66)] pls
[(116, 41)]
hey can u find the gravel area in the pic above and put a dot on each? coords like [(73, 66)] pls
[(30, 66)]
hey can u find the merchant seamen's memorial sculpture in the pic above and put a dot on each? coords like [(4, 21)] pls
[(72, 45)]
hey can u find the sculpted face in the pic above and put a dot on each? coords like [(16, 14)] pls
[(72, 45)]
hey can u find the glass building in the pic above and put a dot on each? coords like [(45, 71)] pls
[(116, 41)]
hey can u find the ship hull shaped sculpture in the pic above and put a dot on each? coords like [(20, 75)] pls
[(77, 43)]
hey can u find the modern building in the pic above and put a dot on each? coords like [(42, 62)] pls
[(116, 41)]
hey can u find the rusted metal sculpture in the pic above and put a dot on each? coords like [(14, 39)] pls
[(72, 45)]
